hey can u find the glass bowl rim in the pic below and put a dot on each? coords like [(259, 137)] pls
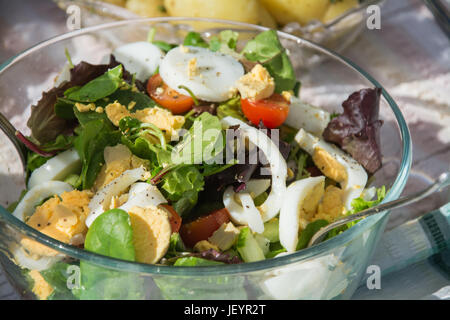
[(283, 261)]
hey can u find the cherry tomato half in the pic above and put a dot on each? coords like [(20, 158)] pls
[(272, 111), (167, 97), (203, 227), (174, 218)]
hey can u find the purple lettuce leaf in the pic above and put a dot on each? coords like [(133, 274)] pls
[(214, 255), (45, 125), (357, 129)]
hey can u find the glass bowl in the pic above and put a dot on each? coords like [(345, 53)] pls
[(330, 270)]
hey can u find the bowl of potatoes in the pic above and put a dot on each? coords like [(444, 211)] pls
[(331, 23)]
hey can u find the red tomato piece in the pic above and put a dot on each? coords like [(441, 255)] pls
[(272, 111), (203, 227), (167, 97)]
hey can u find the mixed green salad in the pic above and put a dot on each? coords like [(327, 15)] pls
[(198, 154)]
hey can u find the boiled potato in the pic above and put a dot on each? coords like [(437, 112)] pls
[(147, 8), (249, 11), (338, 8), (301, 11), (120, 3)]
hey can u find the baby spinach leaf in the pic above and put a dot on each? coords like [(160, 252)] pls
[(164, 46), (98, 88), (124, 97), (110, 234), (308, 232), (57, 277), (267, 49), (94, 136), (195, 39), (85, 117), (195, 262)]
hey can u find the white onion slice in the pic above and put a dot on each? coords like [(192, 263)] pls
[(245, 214), (278, 167), (102, 199), (144, 195)]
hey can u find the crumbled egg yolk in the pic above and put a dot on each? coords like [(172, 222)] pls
[(257, 84), (41, 288), (329, 166), (118, 159), (161, 118), (84, 107), (332, 206), (322, 203), (60, 217), (192, 68)]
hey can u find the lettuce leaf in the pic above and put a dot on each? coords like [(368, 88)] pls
[(266, 49), (195, 39), (93, 137), (357, 129), (111, 235)]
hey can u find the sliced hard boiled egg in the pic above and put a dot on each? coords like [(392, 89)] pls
[(143, 195), (335, 164), (57, 168), (302, 197), (39, 263), (277, 164), (102, 199), (141, 58), (210, 76), (37, 194), (308, 117)]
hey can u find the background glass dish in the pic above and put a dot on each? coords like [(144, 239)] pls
[(332, 269), (336, 34)]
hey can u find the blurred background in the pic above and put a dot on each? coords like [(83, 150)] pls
[(409, 55)]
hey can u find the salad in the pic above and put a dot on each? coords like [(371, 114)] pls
[(195, 154)]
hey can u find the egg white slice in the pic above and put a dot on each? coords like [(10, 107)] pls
[(210, 78), (39, 264), (289, 223), (308, 117), (102, 199), (278, 167), (356, 179), (141, 58), (57, 168), (35, 195), (143, 195)]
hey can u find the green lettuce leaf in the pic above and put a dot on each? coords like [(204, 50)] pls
[(195, 39), (93, 137), (110, 234), (266, 49), (231, 108), (98, 88)]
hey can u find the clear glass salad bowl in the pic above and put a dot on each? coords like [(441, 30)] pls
[(330, 270)]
